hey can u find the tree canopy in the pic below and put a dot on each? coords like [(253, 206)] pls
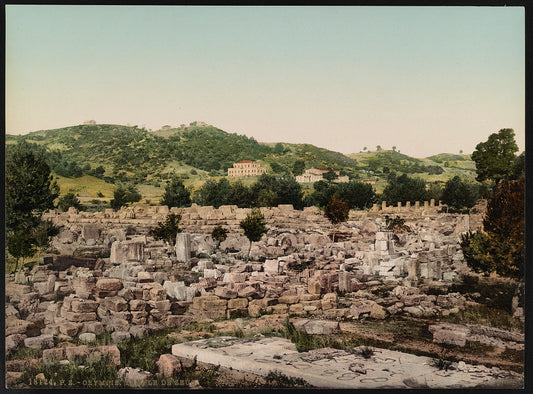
[(495, 157), (403, 188), (254, 226), (176, 195)]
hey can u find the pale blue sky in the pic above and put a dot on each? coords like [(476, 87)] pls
[(425, 79)]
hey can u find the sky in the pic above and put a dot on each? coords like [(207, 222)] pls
[(426, 80)]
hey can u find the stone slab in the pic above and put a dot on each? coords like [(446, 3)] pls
[(334, 368)]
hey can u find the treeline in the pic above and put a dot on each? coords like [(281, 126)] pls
[(268, 191)]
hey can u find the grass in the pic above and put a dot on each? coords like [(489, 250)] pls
[(278, 379), (23, 353), (487, 316), (86, 186), (442, 364)]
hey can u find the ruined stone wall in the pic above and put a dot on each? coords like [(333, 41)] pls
[(203, 218)]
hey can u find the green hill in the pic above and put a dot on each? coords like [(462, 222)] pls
[(114, 153)]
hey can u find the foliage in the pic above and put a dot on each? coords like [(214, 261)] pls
[(457, 194), (176, 195), (500, 248), (337, 210), (254, 226), (124, 195), (67, 201), (277, 379), (42, 233), (144, 352), (168, 229), (442, 364), (365, 351), (403, 188), (270, 190), (495, 157), (358, 195), (219, 234), (29, 186), (213, 193), (396, 224), (330, 176), (298, 167), (95, 370), (21, 245)]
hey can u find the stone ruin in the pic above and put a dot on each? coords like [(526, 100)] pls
[(113, 276)]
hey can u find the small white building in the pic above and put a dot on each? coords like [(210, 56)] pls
[(315, 174), (246, 168)]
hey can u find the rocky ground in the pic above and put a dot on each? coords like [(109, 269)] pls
[(111, 291)]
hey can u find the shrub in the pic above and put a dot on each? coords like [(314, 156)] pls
[(219, 234), (168, 229), (254, 227)]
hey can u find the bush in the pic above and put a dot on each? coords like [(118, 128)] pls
[(219, 234), (67, 201), (168, 229), (254, 227)]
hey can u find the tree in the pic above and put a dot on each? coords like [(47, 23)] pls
[(378, 148), (495, 157), (254, 227), (168, 229), (21, 245), (457, 194), (403, 188), (460, 151), (278, 149), (298, 167), (499, 247), (358, 195), (337, 211), (30, 187), (213, 193), (176, 195), (364, 148), (239, 195), (219, 235), (330, 176), (67, 201), (124, 195), (394, 148)]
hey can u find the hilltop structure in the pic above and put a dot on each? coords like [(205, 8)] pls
[(91, 122), (316, 174), (198, 123), (246, 168)]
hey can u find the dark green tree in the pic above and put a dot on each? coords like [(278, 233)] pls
[(240, 195), (358, 195), (330, 176), (219, 235), (254, 227), (458, 194), (124, 195), (298, 167), (337, 211), (176, 195), (21, 245), (213, 193), (323, 191), (403, 188), (168, 229), (67, 201), (495, 157), (30, 187)]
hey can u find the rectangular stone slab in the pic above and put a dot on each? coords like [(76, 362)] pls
[(334, 368)]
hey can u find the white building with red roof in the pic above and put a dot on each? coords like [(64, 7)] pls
[(246, 168), (315, 174)]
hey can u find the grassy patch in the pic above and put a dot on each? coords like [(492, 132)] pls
[(22, 353), (94, 371), (144, 352), (277, 379), (485, 315)]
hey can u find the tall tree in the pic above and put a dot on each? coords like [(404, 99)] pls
[(30, 187), (337, 211), (495, 157), (457, 194), (298, 167), (403, 188), (176, 195), (254, 227)]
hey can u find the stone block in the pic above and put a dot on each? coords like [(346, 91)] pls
[(271, 267), (123, 251), (95, 327), (80, 316), (72, 352), (138, 331), (84, 306), (139, 317), (158, 294), (318, 327), (13, 341), (115, 304), (183, 247), (280, 308), (178, 320), (111, 352), (109, 284), (248, 291), (237, 303), (137, 305), (176, 290), (452, 334), (41, 341), (90, 231), (224, 292), (144, 277), (69, 328), (54, 354), (87, 337), (168, 365), (163, 306), (119, 336), (288, 299), (314, 287)]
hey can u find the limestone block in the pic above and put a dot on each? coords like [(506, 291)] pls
[(234, 277), (133, 377), (288, 299), (318, 327), (70, 328), (94, 327), (224, 292), (80, 316), (178, 320), (280, 308), (111, 352), (76, 351), (271, 267), (90, 232), (116, 304), (109, 284), (84, 306), (41, 341), (137, 305), (168, 365), (54, 354), (248, 291), (119, 336), (183, 247), (212, 273), (453, 334), (163, 306), (237, 303), (309, 297), (158, 293), (176, 290), (314, 287), (87, 337), (14, 340), (144, 277), (138, 317)]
